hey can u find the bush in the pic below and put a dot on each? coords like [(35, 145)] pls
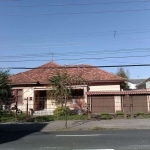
[(41, 119), (139, 114), (119, 113), (60, 111), (7, 119), (22, 117), (73, 117), (105, 116), (6, 113)]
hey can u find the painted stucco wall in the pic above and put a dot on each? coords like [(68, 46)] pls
[(104, 88)]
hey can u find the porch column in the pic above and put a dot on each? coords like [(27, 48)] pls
[(84, 94)]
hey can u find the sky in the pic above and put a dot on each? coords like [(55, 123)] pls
[(95, 32)]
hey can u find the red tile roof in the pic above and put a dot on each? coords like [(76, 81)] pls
[(132, 92), (42, 73)]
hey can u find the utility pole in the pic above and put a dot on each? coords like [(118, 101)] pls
[(52, 56)]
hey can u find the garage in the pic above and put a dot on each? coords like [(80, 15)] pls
[(139, 102), (102, 104)]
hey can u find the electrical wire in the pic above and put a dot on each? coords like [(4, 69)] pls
[(79, 4), (78, 66), (78, 13)]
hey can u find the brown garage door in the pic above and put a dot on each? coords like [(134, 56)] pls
[(103, 104), (139, 103)]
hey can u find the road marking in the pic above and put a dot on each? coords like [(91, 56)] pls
[(94, 149), (82, 135)]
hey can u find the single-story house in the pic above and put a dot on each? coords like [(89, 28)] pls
[(101, 92)]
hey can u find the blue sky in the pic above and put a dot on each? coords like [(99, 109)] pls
[(76, 32)]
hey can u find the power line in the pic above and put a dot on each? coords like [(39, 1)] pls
[(88, 34), (77, 53), (78, 66), (80, 4), (78, 13), (89, 58)]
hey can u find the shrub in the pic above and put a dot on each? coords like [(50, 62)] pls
[(7, 119), (22, 117), (41, 119), (119, 113), (73, 117), (61, 111), (6, 113), (139, 114), (105, 116)]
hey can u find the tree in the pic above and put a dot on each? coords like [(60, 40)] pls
[(61, 90), (124, 74), (5, 90)]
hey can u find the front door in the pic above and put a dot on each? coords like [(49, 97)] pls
[(42, 99)]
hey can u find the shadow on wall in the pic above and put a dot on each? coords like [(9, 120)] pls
[(13, 132)]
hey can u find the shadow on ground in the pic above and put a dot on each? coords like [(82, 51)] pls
[(12, 132)]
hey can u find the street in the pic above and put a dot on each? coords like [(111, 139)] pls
[(67, 140)]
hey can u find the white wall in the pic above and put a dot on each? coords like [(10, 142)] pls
[(27, 93), (104, 88)]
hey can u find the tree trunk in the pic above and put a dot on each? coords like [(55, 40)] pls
[(16, 109), (65, 112)]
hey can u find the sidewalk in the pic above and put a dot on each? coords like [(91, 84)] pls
[(77, 125)]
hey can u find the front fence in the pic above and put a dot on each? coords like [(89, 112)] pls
[(128, 105)]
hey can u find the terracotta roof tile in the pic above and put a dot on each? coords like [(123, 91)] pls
[(42, 73), (131, 92)]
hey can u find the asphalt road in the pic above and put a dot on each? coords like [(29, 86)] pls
[(67, 140)]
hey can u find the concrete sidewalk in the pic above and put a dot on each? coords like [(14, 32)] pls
[(77, 125)]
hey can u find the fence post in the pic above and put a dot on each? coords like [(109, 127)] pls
[(124, 107), (131, 107), (27, 109)]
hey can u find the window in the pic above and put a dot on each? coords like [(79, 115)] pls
[(20, 95), (77, 92)]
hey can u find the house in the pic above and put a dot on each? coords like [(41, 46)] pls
[(133, 82), (101, 92), (145, 84)]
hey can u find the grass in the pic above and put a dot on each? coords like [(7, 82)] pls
[(105, 116), (72, 117)]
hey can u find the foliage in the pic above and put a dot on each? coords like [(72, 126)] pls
[(61, 84), (105, 116), (62, 110), (61, 88), (41, 119), (119, 113), (73, 117), (5, 90), (124, 74), (139, 113), (5, 113)]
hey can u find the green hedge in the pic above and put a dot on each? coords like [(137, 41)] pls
[(6, 113), (105, 116), (72, 117), (61, 111), (41, 119)]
